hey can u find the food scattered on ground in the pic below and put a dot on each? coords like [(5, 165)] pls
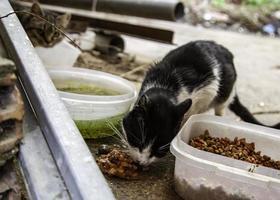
[(194, 191), (237, 149), (118, 163)]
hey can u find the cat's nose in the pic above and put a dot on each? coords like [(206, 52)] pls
[(144, 163)]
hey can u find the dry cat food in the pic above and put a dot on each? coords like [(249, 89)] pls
[(117, 163), (238, 149), (191, 191)]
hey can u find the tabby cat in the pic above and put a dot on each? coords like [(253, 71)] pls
[(40, 32)]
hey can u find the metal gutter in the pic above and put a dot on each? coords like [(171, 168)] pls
[(41, 176), (76, 165)]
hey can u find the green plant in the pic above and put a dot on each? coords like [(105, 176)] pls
[(248, 2), (218, 2)]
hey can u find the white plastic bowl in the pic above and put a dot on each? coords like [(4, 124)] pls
[(92, 108), (207, 176)]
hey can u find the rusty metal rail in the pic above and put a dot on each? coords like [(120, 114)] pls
[(73, 159)]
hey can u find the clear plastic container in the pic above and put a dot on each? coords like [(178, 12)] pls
[(93, 112), (207, 176), (60, 55)]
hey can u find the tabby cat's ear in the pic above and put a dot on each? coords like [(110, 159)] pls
[(36, 9), (63, 20)]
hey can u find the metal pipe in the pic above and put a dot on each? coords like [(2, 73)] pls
[(81, 4), (158, 9), (80, 172)]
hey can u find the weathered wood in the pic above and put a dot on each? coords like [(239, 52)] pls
[(6, 67), (9, 185), (13, 107), (10, 138)]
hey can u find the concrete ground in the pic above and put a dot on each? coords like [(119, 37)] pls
[(257, 61)]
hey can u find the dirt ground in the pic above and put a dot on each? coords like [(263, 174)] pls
[(123, 64)]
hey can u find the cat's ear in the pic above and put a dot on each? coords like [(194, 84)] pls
[(63, 20), (183, 107), (36, 9), (143, 101)]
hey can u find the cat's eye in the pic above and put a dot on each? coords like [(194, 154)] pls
[(41, 31), (160, 153), (56, 34)]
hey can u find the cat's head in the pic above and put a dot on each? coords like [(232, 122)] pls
[(40, 32), (151, 125)]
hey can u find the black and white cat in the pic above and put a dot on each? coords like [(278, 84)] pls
[(189, 80)]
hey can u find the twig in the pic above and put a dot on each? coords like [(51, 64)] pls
[(43, 19), (266, 112), (141, 67)]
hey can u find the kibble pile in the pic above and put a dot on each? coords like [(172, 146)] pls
[(237, 149), (118, 163)]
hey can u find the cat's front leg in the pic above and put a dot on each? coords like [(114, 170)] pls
[(220, 110)]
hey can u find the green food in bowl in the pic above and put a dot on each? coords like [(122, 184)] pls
[(92, 129), (89, 89)]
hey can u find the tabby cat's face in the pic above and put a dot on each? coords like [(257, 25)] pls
[(42, 33)]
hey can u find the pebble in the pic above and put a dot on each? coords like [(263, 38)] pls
[(269, 29), (277, 14), (103, 149)]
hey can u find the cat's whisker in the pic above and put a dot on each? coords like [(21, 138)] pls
[(143, 136), (137, 139), (117, 132), (46, 21), (113, 127), (164, 146), (124, 137), (123, 142)]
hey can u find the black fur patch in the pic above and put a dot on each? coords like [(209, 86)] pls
[(156, 122)]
